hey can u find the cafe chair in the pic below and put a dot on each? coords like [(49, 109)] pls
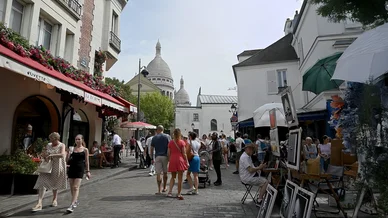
[(248, 189)]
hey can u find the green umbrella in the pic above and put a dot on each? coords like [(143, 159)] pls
[(317, 79)]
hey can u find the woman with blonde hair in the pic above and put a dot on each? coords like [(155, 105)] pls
[(78, 160), (54, 151), (178, 161)]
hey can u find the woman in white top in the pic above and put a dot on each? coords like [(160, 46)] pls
[(194, 164)]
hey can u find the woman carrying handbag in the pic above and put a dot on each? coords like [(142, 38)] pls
[(55, 178)]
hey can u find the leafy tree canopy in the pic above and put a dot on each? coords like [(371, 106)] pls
[(123, 89), (364, 11), (157, 109)]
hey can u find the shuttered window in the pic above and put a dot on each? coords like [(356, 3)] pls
[(272, 87)]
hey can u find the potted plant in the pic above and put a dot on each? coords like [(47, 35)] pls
[(21, 167), (6, 175)]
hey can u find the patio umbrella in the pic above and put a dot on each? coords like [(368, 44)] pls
[(317, 79), (135, 125), (261, 115), (366, 58)]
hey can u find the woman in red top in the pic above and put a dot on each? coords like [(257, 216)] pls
[(178, 161)]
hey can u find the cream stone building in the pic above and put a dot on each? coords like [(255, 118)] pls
[(50, 101)]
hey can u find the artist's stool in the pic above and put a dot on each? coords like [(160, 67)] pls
[(248, 189)]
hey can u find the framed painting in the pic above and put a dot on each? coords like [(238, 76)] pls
[(274, 138), (294, 146), (288, 198), (303, 204), (269, 200), (289, 107)]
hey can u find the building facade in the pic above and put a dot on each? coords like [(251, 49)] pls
[(268, 70), (58, 96), (211, 113)]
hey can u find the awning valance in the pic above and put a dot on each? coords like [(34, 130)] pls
[(32, 69), (246, 123)]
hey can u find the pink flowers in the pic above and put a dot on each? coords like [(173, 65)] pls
[(45, 58)]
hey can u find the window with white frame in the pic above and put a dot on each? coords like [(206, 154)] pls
[(115, 22), (272, 88), (300, 49), (16, 16), (45, 32), (195, 117), (2, 10), (213, 125), (282, 78)]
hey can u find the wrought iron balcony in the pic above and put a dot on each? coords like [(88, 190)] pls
[(73, 6), (115, 41)]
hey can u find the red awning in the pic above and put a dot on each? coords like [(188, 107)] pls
[(89, 92)]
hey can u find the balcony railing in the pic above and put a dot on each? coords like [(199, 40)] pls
[(73, 6), (115, 41)]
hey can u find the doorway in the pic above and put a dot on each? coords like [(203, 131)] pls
[(79, 124), (38, 112)]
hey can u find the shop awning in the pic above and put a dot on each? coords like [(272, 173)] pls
[(32, 69), (311, 114), (246, 123)]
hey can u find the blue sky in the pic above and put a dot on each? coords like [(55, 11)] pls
[(200, 38)]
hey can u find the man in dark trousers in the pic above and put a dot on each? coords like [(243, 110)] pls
[(217, 158), (116, 142)]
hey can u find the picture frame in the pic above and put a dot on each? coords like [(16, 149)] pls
[(289, 194), (274, 142), (289, 107), (294, 147), (268, 203), (302, 204)]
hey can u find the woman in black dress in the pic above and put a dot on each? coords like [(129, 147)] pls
[(78, 160)]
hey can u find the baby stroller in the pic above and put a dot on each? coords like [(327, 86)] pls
[(203, 175)]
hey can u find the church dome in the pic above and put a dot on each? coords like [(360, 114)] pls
[(158, 67), (182, 97)]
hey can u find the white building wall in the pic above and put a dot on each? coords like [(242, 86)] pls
[(184, 117), (219, 112), (57, 16), (252, 87), (314, 39)]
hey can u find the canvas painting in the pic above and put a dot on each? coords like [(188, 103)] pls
[(294, 146), (289, 107), (288, 198), (275, 146), (269, 200), (272, 118), (303, 204)]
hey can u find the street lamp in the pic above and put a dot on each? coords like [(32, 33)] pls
[(234, 118), (142, 71)]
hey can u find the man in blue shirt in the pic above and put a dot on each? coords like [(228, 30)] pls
[(159, 144)]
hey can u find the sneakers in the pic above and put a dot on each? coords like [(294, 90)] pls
[(76, 204), (192, 192), (235, 172), (71, 208), (258, 202), (151, 173)]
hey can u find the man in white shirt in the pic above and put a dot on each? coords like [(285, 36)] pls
[(249, 174), (238, 143), (116, 142), (148, 147)]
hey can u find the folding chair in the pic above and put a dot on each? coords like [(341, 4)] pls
[(248, 189), (337, 184)]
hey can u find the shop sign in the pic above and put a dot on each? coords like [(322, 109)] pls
[(93, 99), (133, 109), (38, 76)]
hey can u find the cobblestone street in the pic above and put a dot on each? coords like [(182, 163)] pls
[(132, 194)]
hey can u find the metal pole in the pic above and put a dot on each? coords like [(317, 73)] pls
[(138, 112)]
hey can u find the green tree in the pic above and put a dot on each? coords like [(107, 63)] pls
[(365, 12), (157, 109), (123, 89)]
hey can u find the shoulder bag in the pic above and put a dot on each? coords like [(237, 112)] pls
[(189, 152), (45, 167)]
